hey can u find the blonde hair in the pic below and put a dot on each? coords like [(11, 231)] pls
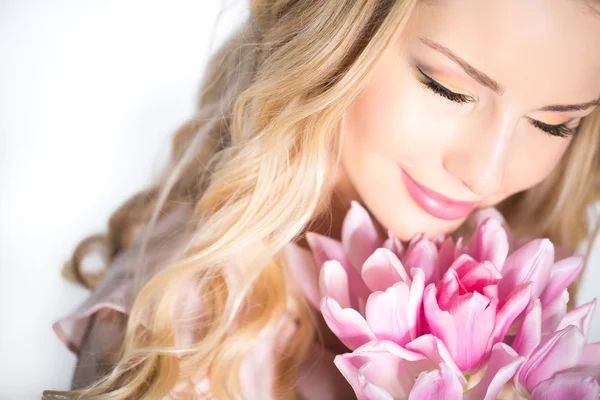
[(255, 162)]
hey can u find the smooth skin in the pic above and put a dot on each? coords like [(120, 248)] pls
[(508, 64)]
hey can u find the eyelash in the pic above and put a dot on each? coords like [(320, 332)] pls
[(561, 130)]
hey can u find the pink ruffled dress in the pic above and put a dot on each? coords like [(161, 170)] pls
[(319, 378)]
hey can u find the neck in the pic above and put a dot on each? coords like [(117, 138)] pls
[(330, 221)]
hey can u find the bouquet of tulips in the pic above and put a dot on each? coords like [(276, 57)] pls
[(434, 319)]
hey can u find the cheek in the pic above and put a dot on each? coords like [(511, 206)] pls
[(391, 122), (534, 161), (393, 118)]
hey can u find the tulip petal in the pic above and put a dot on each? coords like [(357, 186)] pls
[(580, 317), (589, 363), (387, 346), (502, 365), (463, 263), (378, 378), (347, 324), (459, 248), (392, 368), (567, 386), (445, 255), (360, 237), (490, 212), (530, 263), (558, 351), (438, 239), (448, 289), (562, 274), (440, 322), (437, 384), (481, 215), (386, 314), (423, 254), (304, 271), (491, 291), (515, 303), (325, 248), (591, 356), (434, 349), (479, 276), (474, 316), (554, 312), (415, 302), (418, 237), (333, 282), (374, 392), (349, 366), (393, 244), (490, 243), (382, 269), (530, 332), (394, 314)]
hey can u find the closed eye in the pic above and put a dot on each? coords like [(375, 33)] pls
[(441, 90), (562, 130)]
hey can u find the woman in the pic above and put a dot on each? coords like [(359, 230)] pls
[(423, 111)]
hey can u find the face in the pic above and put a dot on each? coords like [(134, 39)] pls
[(475, 102)]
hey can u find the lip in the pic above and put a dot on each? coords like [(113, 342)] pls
[(434, 203)]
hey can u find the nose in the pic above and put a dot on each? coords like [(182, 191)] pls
[(479, 157)]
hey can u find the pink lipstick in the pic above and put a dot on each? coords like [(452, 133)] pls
[(434, 203)]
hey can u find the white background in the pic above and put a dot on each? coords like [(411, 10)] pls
[(90, 92)]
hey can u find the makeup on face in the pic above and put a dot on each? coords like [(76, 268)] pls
[(468, 109), (435, 203), (556, 120)]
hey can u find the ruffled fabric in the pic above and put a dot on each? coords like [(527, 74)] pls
[(319, 377), (116, 289)]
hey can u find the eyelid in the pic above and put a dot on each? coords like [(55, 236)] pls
[(568, 122), (420, 71), (458, 93), (563, 130), (442, 90), (443, 82)]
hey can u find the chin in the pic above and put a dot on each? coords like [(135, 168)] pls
[(396, 211), (419, 222)]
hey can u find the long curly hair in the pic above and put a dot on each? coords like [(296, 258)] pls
[(255, 164)]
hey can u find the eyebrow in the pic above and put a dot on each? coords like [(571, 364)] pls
[(486, 81)]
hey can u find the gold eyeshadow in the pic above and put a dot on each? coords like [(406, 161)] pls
[(554, 120), (432, 75)]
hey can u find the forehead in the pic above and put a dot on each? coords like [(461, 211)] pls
[(547, 47)]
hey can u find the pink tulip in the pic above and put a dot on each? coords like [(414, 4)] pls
[(559, 365), (421, 370), (516, 263), (491, 240), (550, 270), (423, 254), (360, 240), (384, 370), (379, 296), (534, 262), (466, 314), (392, 314), (569, 385)]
